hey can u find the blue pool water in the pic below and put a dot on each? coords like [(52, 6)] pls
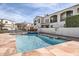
[(26, 43)]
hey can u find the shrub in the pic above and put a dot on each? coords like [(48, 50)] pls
[(72, 21), (3, 31)]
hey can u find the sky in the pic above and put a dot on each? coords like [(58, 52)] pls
[(26, 12)]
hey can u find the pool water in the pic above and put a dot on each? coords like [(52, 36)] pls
[(26, 43)]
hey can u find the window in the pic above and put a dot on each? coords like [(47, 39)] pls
[(51, 26), (53, 19), (35, 22), (46, 20), (69, 13), (47, 26), (6, 21), (38, 20), (78, 10), (44, 26), (62, 16)]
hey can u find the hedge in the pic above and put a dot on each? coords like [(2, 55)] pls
[(3, 31), (72, 21)]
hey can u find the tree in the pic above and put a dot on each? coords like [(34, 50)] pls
[(1, 24)]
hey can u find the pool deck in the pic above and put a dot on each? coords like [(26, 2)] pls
[(8, 48), (70, 48), (7, 44)]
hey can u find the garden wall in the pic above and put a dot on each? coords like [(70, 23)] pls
[(61, 31)]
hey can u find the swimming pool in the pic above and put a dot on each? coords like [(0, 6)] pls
[(26, 43)]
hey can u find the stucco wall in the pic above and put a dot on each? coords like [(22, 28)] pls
[(61, 31), (47, 30)]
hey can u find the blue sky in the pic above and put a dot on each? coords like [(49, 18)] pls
[(26, 12)]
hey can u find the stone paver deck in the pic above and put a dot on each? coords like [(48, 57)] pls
[(70, 48), (8, 48), (7, 44)]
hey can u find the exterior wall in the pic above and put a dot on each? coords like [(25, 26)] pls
[(42, 20), (47, 19), (37, 18), (24, 26), (47, 30), (8, 22), (58, 23), (58, 27), (68, 32), (61, 23), (37, 25), (61, 31)]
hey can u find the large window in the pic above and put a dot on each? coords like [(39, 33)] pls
[(51, 26), (35, 22), (53, 18), (46, 20), (62, 16), (38, 20), (69, 13), (77, 10)]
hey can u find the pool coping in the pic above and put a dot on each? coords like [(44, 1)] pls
[(60, 36)]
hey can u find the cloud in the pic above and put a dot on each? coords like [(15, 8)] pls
[(39, 5), (12, 13), (27, 12)]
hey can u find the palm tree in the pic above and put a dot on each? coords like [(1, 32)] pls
[(1, 24)]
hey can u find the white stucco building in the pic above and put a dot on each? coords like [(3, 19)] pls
[(38, 20), (8, 24), (56, 19)]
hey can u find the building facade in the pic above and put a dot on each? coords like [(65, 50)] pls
[(7, 24), (38, 20), (56, 19), (23, 26)]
